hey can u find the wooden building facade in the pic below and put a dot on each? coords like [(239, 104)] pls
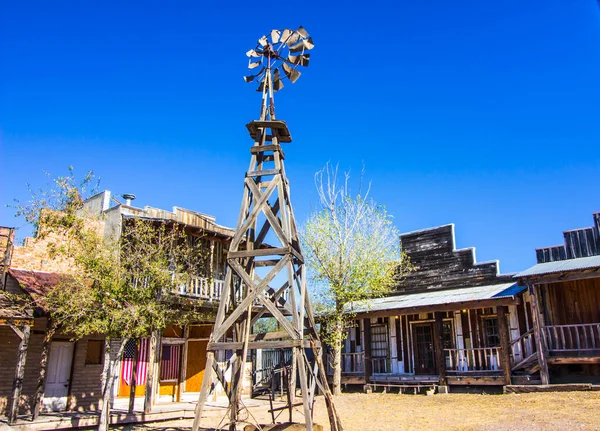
[(74, 367), (564, 287), (452, 321)]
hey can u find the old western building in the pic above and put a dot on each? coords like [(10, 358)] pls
[(564, 288), (74, 368), (451, 322)]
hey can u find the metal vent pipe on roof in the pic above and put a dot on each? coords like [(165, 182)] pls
[(128, 198)]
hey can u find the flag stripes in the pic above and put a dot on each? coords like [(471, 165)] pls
[(169, 364), (142, 364)]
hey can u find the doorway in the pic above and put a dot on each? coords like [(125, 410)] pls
[(424, 350), (58, 376)]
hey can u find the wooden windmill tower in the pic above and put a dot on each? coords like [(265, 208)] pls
[(266, 275)]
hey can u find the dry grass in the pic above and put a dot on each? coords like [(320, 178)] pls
[(465, 412)]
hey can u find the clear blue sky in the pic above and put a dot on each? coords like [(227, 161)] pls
[(483, 114)]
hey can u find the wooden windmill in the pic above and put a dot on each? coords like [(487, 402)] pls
[(266, 275)]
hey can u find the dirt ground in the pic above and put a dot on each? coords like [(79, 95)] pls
[(466, 412)]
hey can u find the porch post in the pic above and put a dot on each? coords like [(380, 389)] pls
[(540, 339), (23, 333), (368, 363), (39, 393), (502, 312), (152, 371), (438, 343)]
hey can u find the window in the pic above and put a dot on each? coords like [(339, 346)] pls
[(93, 355), (490, 331)]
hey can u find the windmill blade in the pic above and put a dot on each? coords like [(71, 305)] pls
[(285, 35), (251, 78), (301, 59), (263, 41), (254, 65), (277, 84), (294, 38), (275, 35), (303, 45), (261, 87), (252, 53), (302, 31), (291, 73)]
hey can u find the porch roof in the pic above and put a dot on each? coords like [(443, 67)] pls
[(561, 266), (442, 300)]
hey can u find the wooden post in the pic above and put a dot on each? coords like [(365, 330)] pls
[(183, 369), (368, 362), (149, 396), (540, 339), (39, 393), (503, 330), (438, 343), (24, 334)]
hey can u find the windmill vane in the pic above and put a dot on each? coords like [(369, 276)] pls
[(279, 55)]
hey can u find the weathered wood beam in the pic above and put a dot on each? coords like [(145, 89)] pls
[(237, 345), (560, 277), (540, 339), (13, 410), (438, 341), (368, 359), (502, 312), (258, 252)]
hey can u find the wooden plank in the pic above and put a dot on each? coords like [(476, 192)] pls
[(259, 252), (262, 173), (256, 149), (563, 360), (237, 345), (476, 380)]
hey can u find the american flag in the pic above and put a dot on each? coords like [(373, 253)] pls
[(142, 364), (169, 363)]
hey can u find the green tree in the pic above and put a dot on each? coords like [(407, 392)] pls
[(352, 252)]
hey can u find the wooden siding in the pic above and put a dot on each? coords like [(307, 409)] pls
[(583, 242), (571, 302), (440, 266)]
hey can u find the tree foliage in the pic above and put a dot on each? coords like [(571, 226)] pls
[(352, 249)]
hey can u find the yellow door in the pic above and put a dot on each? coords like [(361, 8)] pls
[(196, 363)]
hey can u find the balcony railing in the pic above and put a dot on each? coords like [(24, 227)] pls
[(573, 338), (201, 287), (473, 360)]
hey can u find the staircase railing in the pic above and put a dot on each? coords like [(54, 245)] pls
[(522, 349)]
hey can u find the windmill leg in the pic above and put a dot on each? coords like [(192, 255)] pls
[(204, 390), (305, 394)]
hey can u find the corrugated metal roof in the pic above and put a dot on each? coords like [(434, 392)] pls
[(561, 266), (441, 297)]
